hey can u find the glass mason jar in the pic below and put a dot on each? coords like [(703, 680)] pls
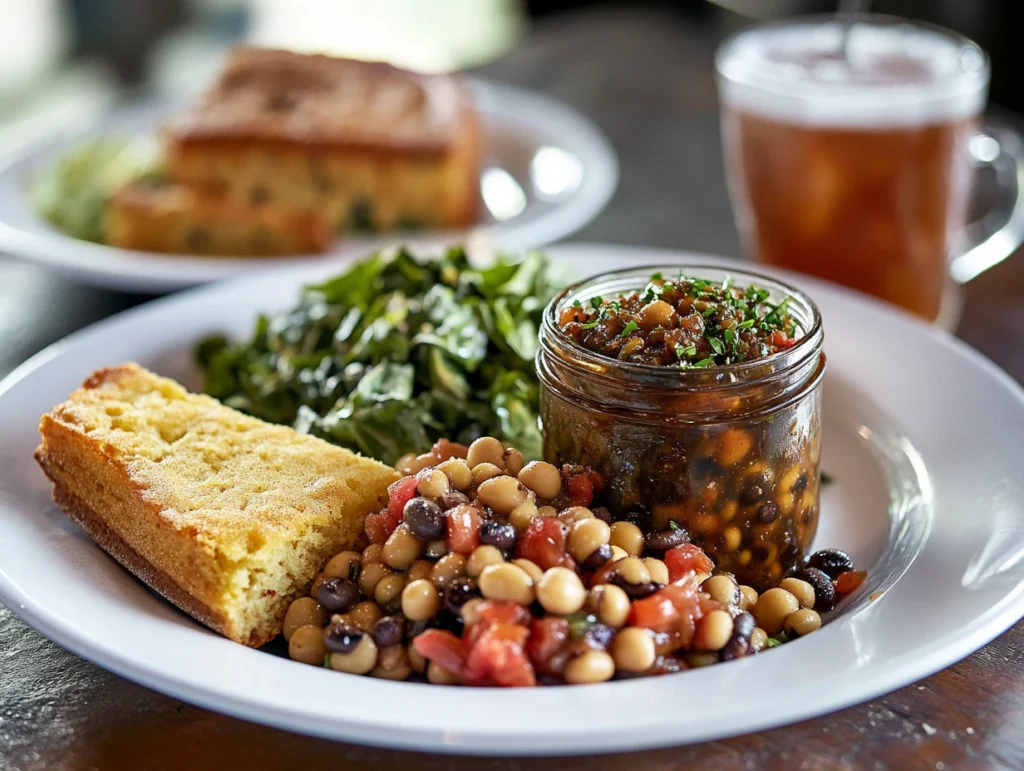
[(730, 453)]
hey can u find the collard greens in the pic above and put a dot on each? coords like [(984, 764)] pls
[(396, 353)]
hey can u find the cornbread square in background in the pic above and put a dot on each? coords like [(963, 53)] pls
[(169, 217), (369, 145), (226, 516)]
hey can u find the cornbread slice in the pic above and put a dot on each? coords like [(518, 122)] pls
[(368, 145), (176, 218), (226, 516)]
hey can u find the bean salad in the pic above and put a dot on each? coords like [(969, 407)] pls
[(486, 570)]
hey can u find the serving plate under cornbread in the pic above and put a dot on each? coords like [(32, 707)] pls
[(940, 583), (546, 171)]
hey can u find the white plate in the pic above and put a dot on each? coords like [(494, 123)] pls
[(546, 172), (922, 434)]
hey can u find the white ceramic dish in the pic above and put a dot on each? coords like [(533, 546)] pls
[(922, 434), (546, 172)]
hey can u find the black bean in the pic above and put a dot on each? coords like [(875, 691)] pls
[(602, 513), (640, 517), (458, 593), (499, 534), (598, 557), (768, 512), (342, 637), (736, 648), (424, 518), (831, 561), (599, 636), (668, 538), (824, 589), (337, 595), (388, 631), (743, 625), (751, 493), (453, 498)]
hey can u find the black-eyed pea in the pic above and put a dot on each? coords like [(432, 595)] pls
[(586, 536), (698, 659), (401, 549), (389, 589), (392, 663), (772, 608), (481, 557), (370, 576), (532, 568), (306, 644), (657, 569), (560, 591), (419, 569), (447, 569), (436, 549), (733, 446), (506, 582), (433, 484), (372, 553), (801, 623), (416, 660), (426, 460), (343, 565), (759, 639), (722, 589), (502, 494), (513, 461), (610, 603), (305, 611), (360, 661), (713, 631), (420, 600), (633, 571), (460, 475), (543, 478), (593, 666), (800, 589), (748, 597), (470, 611), (404, 465), (523, 514), (438, 675), (627, 537), (733, 537), (633, 649), (485, 471), (574, 514), (486, 449), (547, 511), (365, 614), (618, 553)]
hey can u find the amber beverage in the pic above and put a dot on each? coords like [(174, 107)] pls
[(847, 150)]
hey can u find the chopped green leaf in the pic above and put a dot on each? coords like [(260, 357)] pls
[(629, 329), (716, 345), (771, 642)]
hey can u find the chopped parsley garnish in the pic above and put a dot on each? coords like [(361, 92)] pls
[(686, 322)]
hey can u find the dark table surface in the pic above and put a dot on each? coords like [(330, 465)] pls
[(646, 79)]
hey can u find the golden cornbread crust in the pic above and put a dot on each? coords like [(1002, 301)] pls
[(364, 143), (228, 517), (180, 219)]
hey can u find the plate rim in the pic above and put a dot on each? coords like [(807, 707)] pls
[(140, 271), (910, 667)]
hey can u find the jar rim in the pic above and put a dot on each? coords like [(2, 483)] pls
[(634, 278)]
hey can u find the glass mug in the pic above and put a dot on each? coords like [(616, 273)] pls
[(850, 150)]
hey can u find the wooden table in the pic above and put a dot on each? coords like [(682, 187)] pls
[(646, 79)]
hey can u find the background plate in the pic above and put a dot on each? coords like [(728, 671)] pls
[(546, 172), (928, 496)]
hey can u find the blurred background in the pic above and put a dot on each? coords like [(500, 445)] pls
[(63, 61)]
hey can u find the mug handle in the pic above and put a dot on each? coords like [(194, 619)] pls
[(1001, 148)]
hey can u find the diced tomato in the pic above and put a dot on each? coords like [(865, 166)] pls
[(543, 543), (500, 612), (442, 647), (687, 559), (399, 494), (780, 340), (581, 490), (463, 529), (654, 612), (443, 450), (498, 657), (604, 574), (547, 636), (380, 525), (686, 598)]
